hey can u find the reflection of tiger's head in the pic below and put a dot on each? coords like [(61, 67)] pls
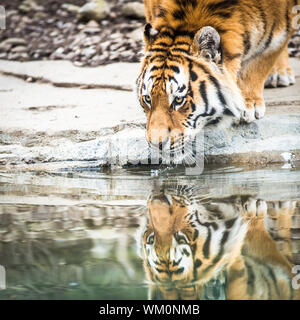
[(186, 243), (184, 86)]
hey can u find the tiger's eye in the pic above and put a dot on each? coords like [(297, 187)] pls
[(179, 100), (147, 99)]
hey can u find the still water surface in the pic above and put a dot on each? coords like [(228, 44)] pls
[(139, 234)]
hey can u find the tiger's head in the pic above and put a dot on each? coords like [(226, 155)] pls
[(184, 86), (185, 242)]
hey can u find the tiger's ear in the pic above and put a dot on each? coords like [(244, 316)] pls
[(149, 34), (207, 44)]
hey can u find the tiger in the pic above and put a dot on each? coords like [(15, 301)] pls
[(206, 63), (236, 248)]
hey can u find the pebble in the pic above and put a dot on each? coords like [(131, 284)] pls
[(133, 10)]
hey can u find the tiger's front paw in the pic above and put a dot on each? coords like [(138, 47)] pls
[(255, 109), (283, 78), (254, 208)]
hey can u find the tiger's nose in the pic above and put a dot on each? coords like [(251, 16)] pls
[(158, 138)]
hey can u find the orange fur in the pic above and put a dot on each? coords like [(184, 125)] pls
[(254, 36), (255, 266)]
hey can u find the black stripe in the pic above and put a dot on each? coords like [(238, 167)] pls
[(183, 33), (181, 89), (158, 50), (287, 16), (166, 34), (158, 56), (185, 3), (178, 271), (263, 18), (273, 277), (204, 94), (180, 50), (161, 12), (221, 251), (193, 106), (163, 44), (182, 43), (246, 41), (223, 14), (193, 75), (176, 263), (228, 112), (217, 86), (251, 279), (270, 37), (230, 223), (223, 5), (214, 121), (206, 245), (160, 270), (179, 14), (195, 236), (154, 68)]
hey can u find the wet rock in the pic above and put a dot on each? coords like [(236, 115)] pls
[(94, 10), (134, 10)]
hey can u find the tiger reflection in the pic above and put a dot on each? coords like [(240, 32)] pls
[(218, 248)]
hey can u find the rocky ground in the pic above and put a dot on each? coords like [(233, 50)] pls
[(87, 33), (55, 30)]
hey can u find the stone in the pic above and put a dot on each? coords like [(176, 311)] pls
[(136, 35), (133, 10), (71, 8), (19, 49), (14, 41), (30, 5), (92, 24), (94, 10)]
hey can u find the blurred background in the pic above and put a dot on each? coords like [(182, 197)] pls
[(92, 33), (88, 33)]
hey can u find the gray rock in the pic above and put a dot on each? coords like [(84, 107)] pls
[(14, 41), (71, 8), (136, 35), (19, 49), (30, 5), (94, 10), (134, 10)]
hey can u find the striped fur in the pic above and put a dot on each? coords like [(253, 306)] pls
[(207, 61), (238, 246)]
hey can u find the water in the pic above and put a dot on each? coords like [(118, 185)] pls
[(145, 233)]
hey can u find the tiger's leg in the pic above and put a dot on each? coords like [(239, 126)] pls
[(251, 81), (279, 225), (282, 73)]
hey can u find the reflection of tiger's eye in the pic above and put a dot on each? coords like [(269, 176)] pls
[(181, 238), (179, 100), (150, 239)]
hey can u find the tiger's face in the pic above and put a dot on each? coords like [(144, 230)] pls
[(186, 243), (183, 86)]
